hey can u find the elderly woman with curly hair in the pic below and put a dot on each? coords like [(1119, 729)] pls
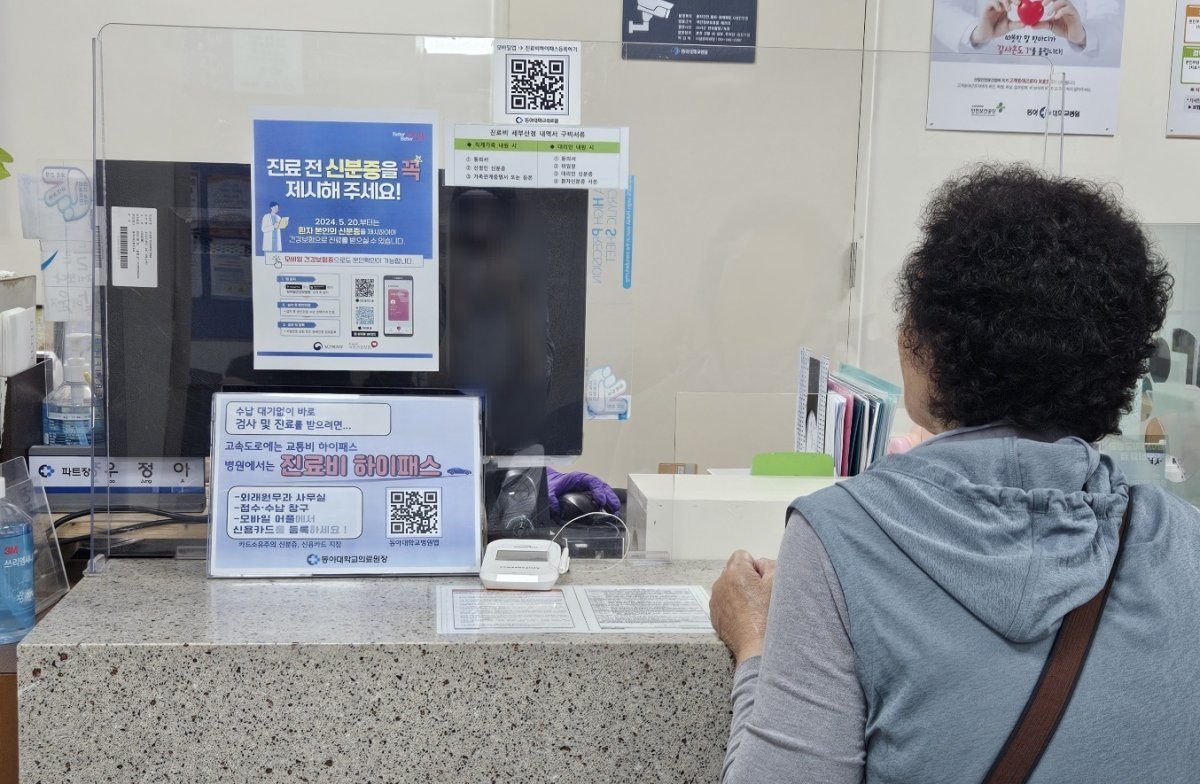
[(913, 607)]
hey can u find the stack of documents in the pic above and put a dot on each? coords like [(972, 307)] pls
[(847, 414)]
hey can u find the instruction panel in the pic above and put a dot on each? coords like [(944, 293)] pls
[(524, 157), (345, 273), (344, 484), (585, 609)]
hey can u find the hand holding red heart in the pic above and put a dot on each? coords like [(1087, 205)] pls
[(994, 22), (1060, 17)]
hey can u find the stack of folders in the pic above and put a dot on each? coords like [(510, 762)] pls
[(847, 414)]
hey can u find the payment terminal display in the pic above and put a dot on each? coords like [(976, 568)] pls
[(398, 311)]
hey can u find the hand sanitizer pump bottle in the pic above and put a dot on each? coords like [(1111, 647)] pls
[(16, 572), (67, 412)]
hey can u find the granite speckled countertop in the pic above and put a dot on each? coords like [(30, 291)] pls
[(152, 672), (167, 602)]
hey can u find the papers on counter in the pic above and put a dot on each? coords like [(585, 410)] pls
[(584, 609)]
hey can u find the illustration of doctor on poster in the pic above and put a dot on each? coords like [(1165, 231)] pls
[(992, 59), (346, 263), (272, 225)]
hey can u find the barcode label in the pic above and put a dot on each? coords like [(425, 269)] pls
[(364, 316), (415, 511), (135, 246)]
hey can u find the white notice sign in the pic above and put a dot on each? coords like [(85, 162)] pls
[(522, 157)]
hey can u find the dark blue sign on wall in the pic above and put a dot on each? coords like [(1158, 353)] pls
[(719, 30)]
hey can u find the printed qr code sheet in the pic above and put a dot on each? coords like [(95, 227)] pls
[(364, 288), (536, 82), (415, 511)]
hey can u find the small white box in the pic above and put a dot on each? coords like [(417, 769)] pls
[(708, 517), (18, 340)]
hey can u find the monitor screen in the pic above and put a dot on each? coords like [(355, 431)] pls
[(512, 274)]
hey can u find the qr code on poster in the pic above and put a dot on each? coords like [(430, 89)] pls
[(364, 315), (537, 84), (415, 512), (364, 288)]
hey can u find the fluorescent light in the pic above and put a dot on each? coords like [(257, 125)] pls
[(444, 45)]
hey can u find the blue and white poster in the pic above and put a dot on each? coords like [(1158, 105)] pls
[(345, 251), (344, 484)]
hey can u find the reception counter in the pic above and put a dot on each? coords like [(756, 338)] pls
[(152, 673)]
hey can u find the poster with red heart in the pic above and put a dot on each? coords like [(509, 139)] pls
[(1026, 66)]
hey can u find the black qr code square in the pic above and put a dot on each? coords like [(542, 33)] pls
[(537, 85), (364, 288), (364, 314), (415, 511)]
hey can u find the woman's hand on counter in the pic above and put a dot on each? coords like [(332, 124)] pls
[(739, 603)]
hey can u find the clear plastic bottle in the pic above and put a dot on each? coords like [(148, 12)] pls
[(16, 572), (67, 411)]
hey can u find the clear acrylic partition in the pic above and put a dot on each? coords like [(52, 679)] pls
[(905, 156), (828, 286), (49, 571), (728, 248), (1160, 437)]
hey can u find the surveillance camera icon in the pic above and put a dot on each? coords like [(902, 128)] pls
[(649, 10)]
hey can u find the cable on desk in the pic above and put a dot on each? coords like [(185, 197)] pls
[(164, 516), (125, 529), (607, 517)]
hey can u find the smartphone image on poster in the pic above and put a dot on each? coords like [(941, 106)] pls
[(398, 309)]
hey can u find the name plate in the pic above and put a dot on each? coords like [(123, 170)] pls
[(307, 485)]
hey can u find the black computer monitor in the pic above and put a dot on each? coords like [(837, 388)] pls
[(513, 267)]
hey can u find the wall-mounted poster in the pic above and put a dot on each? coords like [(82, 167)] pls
[(713, 30), (345, 262), (1183, 115), (994, 62)]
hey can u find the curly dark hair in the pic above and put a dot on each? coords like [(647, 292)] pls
[(1031, 300)]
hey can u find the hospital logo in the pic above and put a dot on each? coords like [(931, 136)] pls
[(979, 110)]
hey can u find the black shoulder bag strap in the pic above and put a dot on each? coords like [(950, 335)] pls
[(1048, 703)]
